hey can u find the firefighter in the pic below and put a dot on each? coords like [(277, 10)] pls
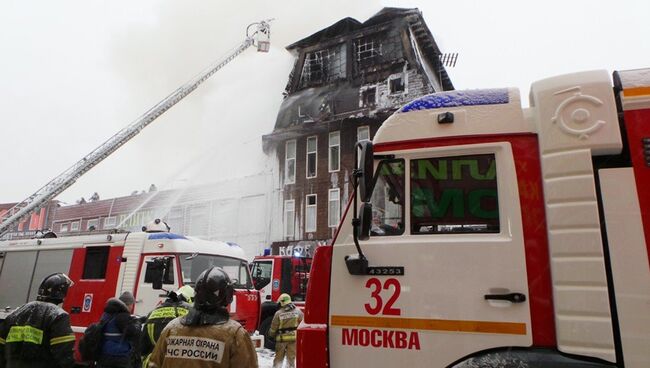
[(206, 336), (177, 304), (283, 329), (38, 334)]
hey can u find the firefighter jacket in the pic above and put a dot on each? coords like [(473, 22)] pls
[(36, 335), (157, 320), (201, 340), (285, 322)]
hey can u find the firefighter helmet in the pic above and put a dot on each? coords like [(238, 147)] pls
[(284, 299), (213, 289), (54, 288), (186, 293)]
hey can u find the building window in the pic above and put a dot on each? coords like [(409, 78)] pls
[(396, 85), (335, 151), (334, 207), (290, 162), (310, 213), (92, 224), (367, 49), (289, 217), (64, 228), (74, 226), (369, 97), (363, 133), (109, 222), (312, 144), (323, 66)]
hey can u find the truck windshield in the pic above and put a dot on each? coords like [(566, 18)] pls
[(261, 273), (193, 264)]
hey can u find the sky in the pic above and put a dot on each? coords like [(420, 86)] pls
[(74, 72)]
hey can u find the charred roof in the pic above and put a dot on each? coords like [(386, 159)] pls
[(353, 70), (349, 25)]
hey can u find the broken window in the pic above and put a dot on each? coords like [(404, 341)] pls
[(380, 49), (323, 66), (367, 49), (368, 97), (396, 85)]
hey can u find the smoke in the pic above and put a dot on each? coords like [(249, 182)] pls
[(225, 118)]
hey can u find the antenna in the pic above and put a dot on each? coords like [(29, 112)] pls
[(448, 59)]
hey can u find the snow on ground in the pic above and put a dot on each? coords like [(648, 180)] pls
[(265, 358)]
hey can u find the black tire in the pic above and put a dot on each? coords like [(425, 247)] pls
[(264, 330)]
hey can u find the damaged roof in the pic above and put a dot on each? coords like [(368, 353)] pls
[(310, 103), (348, 25)]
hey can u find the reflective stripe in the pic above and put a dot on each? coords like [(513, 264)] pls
[(636, 91), (509, 328), (150, 331), (62, 339), (112, 334), (145, 362), (25, 334), (2, 341), (168, 312), (286, 337)]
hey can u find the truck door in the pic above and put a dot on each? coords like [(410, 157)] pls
[(146, 297), (261, 273), (94, 270), (451, 218)]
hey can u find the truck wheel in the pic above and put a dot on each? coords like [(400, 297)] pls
[(264, 330)]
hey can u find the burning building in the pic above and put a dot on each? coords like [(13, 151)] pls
[(346, 80)]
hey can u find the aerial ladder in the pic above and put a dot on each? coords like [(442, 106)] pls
[(257, 34)]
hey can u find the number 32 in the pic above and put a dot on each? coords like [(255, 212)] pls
[(375, 285)]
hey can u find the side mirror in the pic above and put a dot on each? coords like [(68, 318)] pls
[(366, 164), (157, 268), (365, 219)]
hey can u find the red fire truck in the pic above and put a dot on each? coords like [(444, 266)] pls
[(274, 275), (483, 234), (103, 266)]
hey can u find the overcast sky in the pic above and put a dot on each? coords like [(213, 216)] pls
[(74, 72)]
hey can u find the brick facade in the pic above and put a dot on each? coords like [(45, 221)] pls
[(347, 76)]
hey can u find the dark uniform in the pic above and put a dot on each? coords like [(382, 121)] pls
[(157, 320), (206, 336), (38, 334), (121, 336)]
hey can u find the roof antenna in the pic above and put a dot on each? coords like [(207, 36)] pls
[(448, 59)]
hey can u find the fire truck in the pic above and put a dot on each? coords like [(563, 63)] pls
[(484, 234), (105, 265), (274, 275)]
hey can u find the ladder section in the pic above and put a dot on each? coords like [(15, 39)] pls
[(49, 191)]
